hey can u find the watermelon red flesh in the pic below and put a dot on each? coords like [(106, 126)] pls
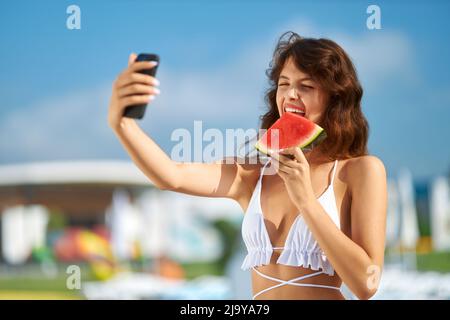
[(291, 130)]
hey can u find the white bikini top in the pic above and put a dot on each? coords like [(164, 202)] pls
[(300, 249)]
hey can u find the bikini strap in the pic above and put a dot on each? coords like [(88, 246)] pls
[(334, 171), (291, 282), (263, 168)]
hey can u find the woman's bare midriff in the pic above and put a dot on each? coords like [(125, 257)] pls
[(279, 214), (289, 292)]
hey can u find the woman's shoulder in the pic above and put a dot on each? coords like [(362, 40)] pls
[(366, 168), (363, 163), (248, 171), (249, 167)]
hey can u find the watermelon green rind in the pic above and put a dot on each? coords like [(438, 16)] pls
[(308, 142), (261, 148), (320, 137)]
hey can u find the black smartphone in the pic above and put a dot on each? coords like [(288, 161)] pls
[(137, 111)]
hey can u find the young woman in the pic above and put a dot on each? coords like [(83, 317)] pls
[(319, 219)]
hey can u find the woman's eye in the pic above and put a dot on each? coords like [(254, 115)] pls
[(303, 86)]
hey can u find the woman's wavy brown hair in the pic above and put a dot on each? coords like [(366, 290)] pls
[(329, 65)]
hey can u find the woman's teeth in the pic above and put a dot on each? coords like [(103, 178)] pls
[(294, 110)]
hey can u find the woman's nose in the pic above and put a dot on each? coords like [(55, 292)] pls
[(292, 93)]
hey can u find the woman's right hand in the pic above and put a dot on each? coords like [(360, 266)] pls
[(131, 87)]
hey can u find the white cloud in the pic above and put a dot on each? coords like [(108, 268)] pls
[(378, 55), (381, 57), (65, 126)]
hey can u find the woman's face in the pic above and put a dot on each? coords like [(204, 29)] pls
[(298, 92)]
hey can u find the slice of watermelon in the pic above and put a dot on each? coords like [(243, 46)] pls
[(291, 130)]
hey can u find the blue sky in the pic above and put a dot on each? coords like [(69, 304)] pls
[(55, 83)]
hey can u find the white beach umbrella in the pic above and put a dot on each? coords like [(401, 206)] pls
[(440, 213), (393, 215), (409, 231), (124, 223)]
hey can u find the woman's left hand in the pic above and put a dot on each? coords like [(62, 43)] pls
[(295, 174)]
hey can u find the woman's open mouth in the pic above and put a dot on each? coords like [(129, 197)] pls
[(294, 109)]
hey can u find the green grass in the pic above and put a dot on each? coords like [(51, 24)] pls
[(193, 270), (57, 284), (35, 285), (36, 288), (40, 287), (37, 295), (434, 261)]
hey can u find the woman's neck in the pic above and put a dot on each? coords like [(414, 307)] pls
[(316, 158)]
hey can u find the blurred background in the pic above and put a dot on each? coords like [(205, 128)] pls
[(78, 220)]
